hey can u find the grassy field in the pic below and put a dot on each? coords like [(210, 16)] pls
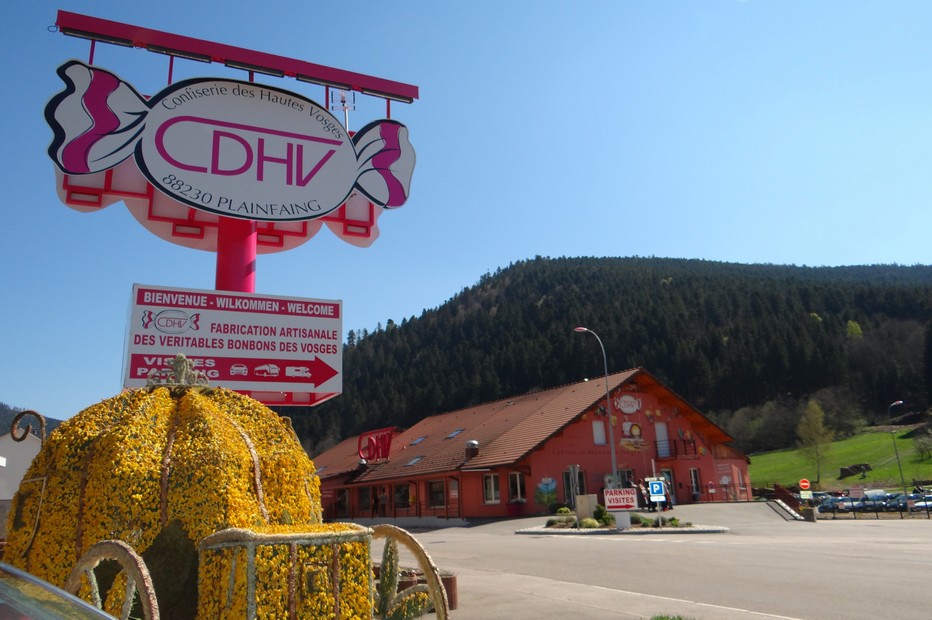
[(874, 447)]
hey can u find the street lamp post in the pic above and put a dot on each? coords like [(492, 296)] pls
[(896, 451), (608, 407)]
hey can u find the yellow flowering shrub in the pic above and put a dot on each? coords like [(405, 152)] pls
[(161, 469)]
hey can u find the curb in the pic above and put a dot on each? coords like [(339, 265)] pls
[(634, 531)]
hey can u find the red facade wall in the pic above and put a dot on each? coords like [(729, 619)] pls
[(686, 458)]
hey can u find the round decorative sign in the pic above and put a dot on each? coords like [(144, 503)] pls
[(629, 404)]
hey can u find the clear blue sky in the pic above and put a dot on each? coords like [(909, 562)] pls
[(756, 131)]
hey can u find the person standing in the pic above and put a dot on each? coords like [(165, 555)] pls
[(383, 502), (667, 497), (651, 507)]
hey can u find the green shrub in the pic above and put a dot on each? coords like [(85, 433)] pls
[(669, 522), (564, 510), (589, 523), (561, 522), (603, 516)]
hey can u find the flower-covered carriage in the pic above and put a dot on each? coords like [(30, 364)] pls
[(183, 501)]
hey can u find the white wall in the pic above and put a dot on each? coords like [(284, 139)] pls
[(18, 455)]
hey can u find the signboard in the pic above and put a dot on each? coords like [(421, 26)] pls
[(241, 341), (233, 148), (620, 499), (655, 490), (628, 404), (375, 445), (804, 484)]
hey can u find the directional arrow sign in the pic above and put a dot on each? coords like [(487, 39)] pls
[(245, 342)]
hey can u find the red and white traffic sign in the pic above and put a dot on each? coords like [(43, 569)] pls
[(804, 484), (255, 344), (621, 499)]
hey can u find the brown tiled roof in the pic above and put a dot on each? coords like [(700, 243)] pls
[(339, 460), (506, 430)]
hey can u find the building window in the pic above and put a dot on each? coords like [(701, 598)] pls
[(626, 477), (364, 499), (435, 494), (455, 433), (490, 493), (402, 496), (516, 486), (598, 432), (418, 440), (414, 461)]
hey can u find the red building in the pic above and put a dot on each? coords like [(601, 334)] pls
[(518, 455)]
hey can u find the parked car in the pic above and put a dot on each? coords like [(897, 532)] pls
[(848, 504), (897, 502), (828, 504), (26, 596), (924, 504), (874, 500)]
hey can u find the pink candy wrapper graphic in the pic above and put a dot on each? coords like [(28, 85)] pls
[(99, 121)]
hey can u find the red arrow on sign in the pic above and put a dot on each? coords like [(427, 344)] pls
[(322, 372)]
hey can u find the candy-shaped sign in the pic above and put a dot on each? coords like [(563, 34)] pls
[(232, 148)]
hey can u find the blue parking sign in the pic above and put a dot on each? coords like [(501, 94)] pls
[(656, 490)]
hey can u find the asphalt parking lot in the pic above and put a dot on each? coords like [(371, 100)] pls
[(756, 564)]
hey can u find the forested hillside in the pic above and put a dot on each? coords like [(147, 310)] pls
[(746, 344)]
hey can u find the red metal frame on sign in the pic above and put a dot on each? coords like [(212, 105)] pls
[(97, 29)]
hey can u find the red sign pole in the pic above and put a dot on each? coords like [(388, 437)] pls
[(236, 255)]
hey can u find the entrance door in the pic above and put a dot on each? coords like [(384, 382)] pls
[(571, 487), (663, 440), (343, 503), (695, 483), (668, 474)]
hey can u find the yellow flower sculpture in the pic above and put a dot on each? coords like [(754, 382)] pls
[(162, 468)]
